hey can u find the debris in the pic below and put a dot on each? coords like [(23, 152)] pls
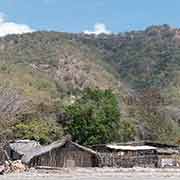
[(2, 169), (12, 167), (17, 167)]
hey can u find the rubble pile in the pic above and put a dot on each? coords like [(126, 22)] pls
[(12, 167)]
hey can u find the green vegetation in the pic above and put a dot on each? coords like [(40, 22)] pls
[(45, 73), (39, 130), (143, 58), (158, 129), (95, 117), (127, 131)]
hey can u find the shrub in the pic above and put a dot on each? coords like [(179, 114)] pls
[(39, 130)]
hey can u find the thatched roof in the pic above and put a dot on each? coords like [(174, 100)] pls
[(23, 146), (38, 151)]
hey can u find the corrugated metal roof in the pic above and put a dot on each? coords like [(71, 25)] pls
[(41, 150), (23, 146), (130, 148), (167, 151)]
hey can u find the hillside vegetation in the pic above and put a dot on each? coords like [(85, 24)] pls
[(43, 74)]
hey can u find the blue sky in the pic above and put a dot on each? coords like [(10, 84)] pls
[(80, 15)]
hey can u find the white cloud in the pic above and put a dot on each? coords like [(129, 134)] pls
[(99, 28), (7, 27)]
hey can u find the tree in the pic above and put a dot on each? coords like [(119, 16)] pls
[(39, 130), (127, 131), (12, 103), (95, 117), (155, 127), (153, 124)]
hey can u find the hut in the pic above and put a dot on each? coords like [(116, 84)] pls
[(127, 156), (168, 154), (64, 153), (16, 149), (168, 158), (163, 155)]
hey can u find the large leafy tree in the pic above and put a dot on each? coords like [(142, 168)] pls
[(95, 117)]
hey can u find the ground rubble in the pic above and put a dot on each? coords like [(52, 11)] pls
[(12, 167)]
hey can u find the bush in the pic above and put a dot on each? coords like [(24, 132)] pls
[(38, 130), (156, 128), (127, 131)]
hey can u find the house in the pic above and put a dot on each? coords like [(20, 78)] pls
[(16, 149), (127, 156), (64, 153)]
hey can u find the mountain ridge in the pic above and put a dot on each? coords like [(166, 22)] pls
[(50, 69)]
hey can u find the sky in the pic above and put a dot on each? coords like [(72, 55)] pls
[(89, 16)]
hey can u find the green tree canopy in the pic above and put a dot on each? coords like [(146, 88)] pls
[(95, 117), (39, 130)]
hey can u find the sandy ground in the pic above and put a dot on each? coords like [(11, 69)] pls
[(97, 174)]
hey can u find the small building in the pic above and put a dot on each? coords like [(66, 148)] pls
[(142, 153), (64, 153), (168, 154), (16, 149), (127, 156), (168, 158)]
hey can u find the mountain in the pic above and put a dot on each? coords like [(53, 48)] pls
[(44, 67), (42, 72), (142, 58)]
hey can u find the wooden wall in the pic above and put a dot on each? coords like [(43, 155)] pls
[(66, 156), (2, 156), (128, 159)]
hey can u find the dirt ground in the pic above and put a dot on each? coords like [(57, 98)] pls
[(97, 174)]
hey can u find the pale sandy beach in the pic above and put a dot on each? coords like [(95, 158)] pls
[(98, 174)]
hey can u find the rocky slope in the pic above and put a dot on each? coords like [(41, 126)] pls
[(43, 71)]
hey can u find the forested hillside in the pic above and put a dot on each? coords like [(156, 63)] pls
[(49, 79)]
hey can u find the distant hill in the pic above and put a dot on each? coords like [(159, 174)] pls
[(41, 72), (45, 67), (143, 58)]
